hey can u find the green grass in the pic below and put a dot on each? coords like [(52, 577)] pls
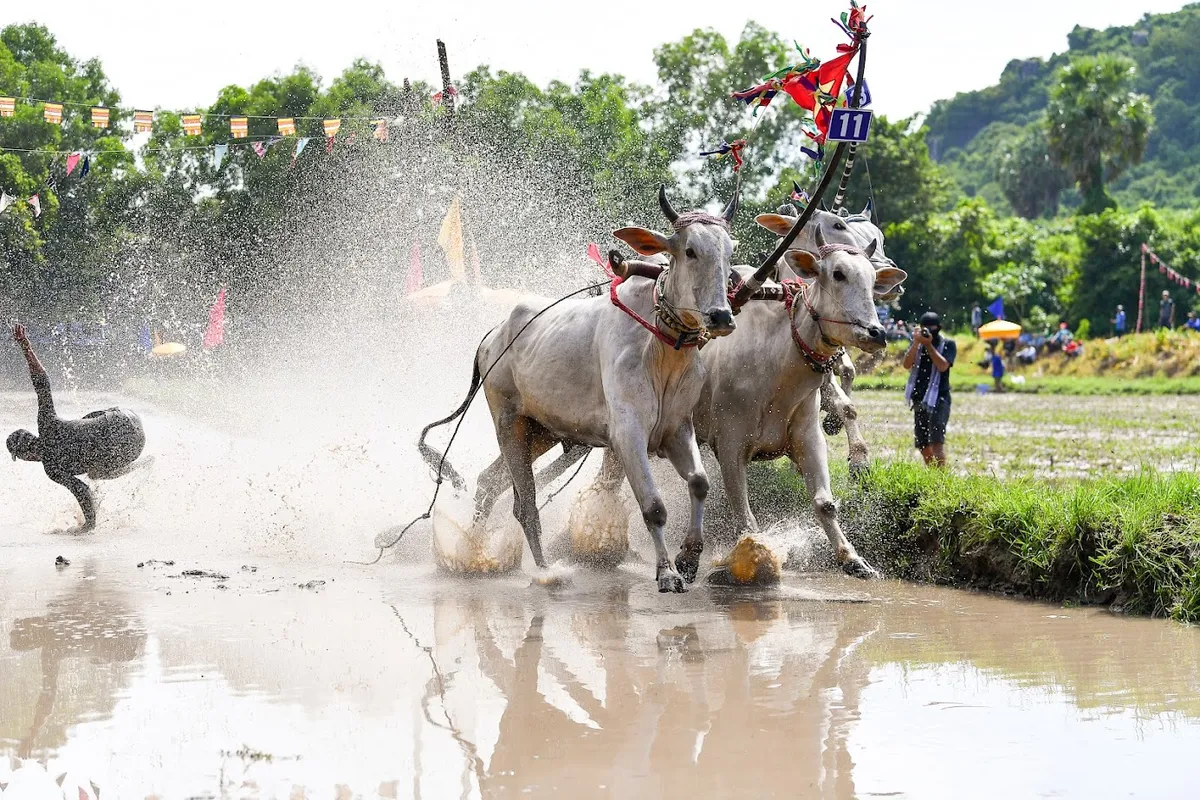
[(1131, 542)]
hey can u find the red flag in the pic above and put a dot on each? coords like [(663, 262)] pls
[(72, 160), (818, 91), (215, 334), (414, 271), (594, 255)]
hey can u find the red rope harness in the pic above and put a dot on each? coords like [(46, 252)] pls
[(818, 362), (675, 344)]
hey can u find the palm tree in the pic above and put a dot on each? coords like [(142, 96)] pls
[(1030, 179), (1096, 125)]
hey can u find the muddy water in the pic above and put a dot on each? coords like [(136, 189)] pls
[(286, 672)]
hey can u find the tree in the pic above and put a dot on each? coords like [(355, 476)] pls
[(1030, 178), (1096, 125)]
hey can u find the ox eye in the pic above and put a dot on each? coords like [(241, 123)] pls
[(838, 275), (837, 226), (690, 253)]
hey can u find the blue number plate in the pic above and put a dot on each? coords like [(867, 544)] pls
[(849, 125)]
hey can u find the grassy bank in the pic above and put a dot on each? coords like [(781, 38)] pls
[(1159, 363), (1131, 543)]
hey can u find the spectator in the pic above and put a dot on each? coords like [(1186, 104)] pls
[(976, 320), (1166, 311), (928, 361), (997, 368), (1193, 323), (1061, 338), (1072, 349), (1118, 322), (1028, 355)]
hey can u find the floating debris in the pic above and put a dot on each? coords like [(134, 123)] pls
[(153, 562), (249, 569), (201, 573), (311, 584), (61, 562)]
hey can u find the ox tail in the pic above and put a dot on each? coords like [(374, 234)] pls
[(436, 459)]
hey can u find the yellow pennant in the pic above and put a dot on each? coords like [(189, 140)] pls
[(143, 121), (52, 113), (99, 117), (287, 126), (450, 239), (332, 126), (192, 124), (239, 128), (7, 106)]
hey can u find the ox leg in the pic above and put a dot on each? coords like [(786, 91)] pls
[(494, 478), (808, 453), (630, 445), (684, 453), (733, 461), (835, 396), (516, 435)]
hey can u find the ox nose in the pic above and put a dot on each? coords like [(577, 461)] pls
[(720, 322), (877, 334)]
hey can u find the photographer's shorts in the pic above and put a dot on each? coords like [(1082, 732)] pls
[(929, 427)]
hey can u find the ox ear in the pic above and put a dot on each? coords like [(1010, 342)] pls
[(777, 224), (804, 263), (646, 242), (887, 279)]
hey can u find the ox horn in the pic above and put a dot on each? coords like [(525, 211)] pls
[(665, 204), (732, 208), (820, 237), (870, 251)]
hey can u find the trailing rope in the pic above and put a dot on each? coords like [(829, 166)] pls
[(462, 416)]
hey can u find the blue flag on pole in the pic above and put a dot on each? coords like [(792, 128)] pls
[(996, 309), (144, 338)]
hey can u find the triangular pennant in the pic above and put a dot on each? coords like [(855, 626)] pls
[(219, 152), (260, 149), (300, 144), (99, 117), (593, 252), (287, 126), (52, 113), (332, 126), (192, 124), (5, 201), (8, 106), (72, 160), (143, 121), (215, 334), (86, 168), (239, 127), (36, 204)]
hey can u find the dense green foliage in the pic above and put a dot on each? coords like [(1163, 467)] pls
[(963, 131)]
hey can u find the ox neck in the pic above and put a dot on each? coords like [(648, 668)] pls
[(817, 350), (676, 336)]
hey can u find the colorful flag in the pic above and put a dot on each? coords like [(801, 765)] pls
[(36, 204), (72, 160), (287, 126), (8, 106), (438, 96), (239, 127), (86, 168), (52, 113), (996, 309), (328, 144), (215, 334), (414, 271), (219, 152), (332, 126), (300, 144), (450, 239), (381, 129), (819, 91), (99, 117), (799, 195), (260, 148), (593, 252), (5, 201), (191, 124), (143, 121)]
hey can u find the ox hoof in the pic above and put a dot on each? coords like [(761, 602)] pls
[(687, 563), (832, 424), (858, 471), (859, 568), (670, 582)]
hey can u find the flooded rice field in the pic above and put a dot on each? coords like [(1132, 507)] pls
[(1058, 436), (211, 640)]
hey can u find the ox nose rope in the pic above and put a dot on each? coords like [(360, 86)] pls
[(461, 415)]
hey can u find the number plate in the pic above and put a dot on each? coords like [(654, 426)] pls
[(849, 125), (864, 101)]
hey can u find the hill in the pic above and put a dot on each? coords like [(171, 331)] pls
[(964, 131)]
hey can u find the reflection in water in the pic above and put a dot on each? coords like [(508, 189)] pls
[(90, 630), (457, 688)]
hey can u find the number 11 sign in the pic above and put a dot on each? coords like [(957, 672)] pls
[(849, 125)]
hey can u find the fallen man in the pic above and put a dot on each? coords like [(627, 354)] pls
[(103, 445)]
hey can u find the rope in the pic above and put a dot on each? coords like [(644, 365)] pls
[(871, 192), (68, 103), (574, 475), (438, 483)]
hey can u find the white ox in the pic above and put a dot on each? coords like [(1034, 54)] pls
[(586, 372)]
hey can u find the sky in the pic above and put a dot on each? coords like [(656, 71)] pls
[(175, 56)]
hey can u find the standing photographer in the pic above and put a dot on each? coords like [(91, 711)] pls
[(928, 361)]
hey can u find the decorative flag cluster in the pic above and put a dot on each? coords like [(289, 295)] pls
[(815, 86), (729, 148), (1172, 275)]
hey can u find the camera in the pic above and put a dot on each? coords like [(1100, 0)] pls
[(925, 332)]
